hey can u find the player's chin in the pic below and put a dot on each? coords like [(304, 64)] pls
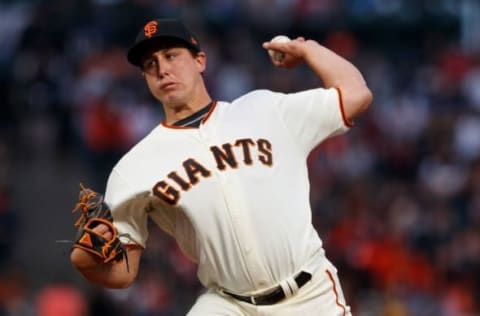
[(165, 96), (172, 100)]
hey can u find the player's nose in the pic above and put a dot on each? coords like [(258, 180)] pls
[(163, 67), (159, 68)]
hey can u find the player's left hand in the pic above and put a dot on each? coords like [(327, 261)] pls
[(294, 51), (96, 233)]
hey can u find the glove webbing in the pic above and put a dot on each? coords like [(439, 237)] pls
[(90, 201), (94, 212)]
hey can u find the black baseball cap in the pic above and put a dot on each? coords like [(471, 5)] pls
[(158, 31)]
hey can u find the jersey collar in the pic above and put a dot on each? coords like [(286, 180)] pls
[(194, 120)]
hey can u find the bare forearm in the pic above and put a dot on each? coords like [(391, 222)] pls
[(335, 71), (109, 275), (332, 69)]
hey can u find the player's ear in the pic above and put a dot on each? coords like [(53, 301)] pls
[(201, 61)]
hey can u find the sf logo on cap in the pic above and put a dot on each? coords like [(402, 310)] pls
[(150, 28)]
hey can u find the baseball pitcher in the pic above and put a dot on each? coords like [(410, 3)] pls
[(227, 180)]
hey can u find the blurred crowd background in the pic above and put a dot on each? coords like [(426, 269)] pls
[(396, 200)]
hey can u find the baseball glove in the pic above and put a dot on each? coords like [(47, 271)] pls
[(95, 212)]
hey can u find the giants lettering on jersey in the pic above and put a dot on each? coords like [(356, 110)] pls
[(226, 156)]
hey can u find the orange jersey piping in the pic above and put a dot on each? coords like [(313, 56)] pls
[(346, 121), (214, 105)]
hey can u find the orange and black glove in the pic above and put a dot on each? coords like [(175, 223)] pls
[(95, 212)]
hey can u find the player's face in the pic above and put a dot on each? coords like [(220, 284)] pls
[(173, 74)]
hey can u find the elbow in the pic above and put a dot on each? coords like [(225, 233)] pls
[(124, 286), (117, 283), (365, 99), (117, 276), (108, 275), (125, 280), (354, 101)]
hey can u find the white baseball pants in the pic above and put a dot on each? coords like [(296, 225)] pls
[(322, 295)]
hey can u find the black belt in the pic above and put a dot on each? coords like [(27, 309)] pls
[(276, 295)]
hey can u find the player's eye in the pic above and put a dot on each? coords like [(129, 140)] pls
[(170, 56), (149, 65)]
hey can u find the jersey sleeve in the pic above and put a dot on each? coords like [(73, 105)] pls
[(312, 116), (129, 211)]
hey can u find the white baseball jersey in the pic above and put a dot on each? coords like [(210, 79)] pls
[(241, 185)]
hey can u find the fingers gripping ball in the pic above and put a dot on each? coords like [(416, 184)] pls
[(277, 55), (95, 212)]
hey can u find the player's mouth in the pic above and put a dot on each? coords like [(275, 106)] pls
[(167, 86)]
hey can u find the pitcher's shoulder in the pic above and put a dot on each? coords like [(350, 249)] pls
[(256, 98)]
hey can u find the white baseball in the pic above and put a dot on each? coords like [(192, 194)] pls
[(278, 56)]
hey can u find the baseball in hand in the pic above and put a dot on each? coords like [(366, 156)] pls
[(276, 55)]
